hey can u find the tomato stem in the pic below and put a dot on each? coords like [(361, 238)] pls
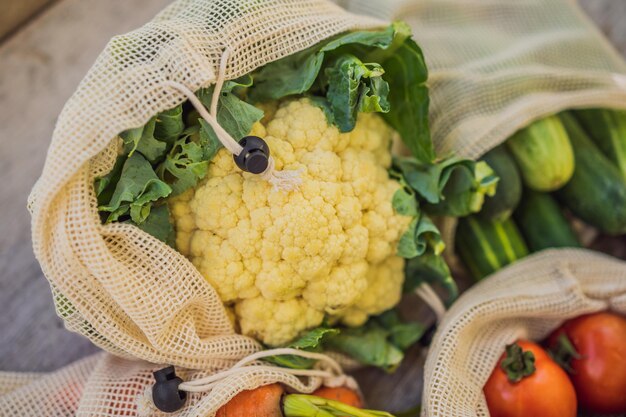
[(517, 364), (564, 352)]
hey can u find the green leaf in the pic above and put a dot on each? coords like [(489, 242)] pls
[(184, 166), (291, 75), (351, 89), (407, 246), (432, 269), (234, 115), (403, 335), (464, 191), (404, 202), (311, 341), (158, 225), (380, 342), (421, 235), (242, 82), (374, 95), (209, 141), (335, 70), (296, 74), (105, 186), (452, 186), (136, 190), (408, 97), (426, 179), (142, 140), (169, 125), (369, 345)]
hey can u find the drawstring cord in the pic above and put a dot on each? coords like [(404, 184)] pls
[(326, 368), (169, 393), (249, 147), (430, 297)]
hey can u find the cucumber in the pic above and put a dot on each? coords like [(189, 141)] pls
[(607, 128), (508, 189), (543, 154), (542, 222), (486, 246), (597, 191)]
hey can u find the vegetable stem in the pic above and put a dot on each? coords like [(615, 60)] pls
[(302, 405), (517, 364)]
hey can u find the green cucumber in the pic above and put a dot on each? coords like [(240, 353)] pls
[(607, 128), (487, 246), (543, 154), (597, 191), (542, 222), (509, 187)]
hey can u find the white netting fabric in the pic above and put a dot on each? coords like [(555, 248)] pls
[(525, 300)]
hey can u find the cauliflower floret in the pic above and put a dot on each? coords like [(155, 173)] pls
[(285, 260)]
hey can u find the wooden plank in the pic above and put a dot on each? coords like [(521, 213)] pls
[(16, 12), (39, 69)]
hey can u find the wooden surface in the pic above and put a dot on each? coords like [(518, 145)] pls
[(40, 66), (16, 12)]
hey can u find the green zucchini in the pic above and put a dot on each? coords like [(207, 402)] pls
[(486, 246), (509, 188), (543, 154), (607, 128), (542, 222), (597, 191)]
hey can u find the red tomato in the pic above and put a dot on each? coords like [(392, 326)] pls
[(546, 392), (599, 374)]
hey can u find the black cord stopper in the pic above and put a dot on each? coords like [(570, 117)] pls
[(165, 393), (255, 155)]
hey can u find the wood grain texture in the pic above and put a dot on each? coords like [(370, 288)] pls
[(16, 12), (40, 67)]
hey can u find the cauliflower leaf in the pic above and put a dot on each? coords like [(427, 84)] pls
[(135, 192), (381, 342), (355, 87), (311, 342)]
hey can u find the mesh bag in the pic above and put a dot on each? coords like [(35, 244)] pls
[(126, 291), (497, 65), (525, 300), (109, 386)]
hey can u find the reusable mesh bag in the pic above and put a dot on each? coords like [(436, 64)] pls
[(497, 65), (110, 386), (126, 291), (526, 300)]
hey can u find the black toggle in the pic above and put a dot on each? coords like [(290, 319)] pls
[(165, 393), (255, 155)]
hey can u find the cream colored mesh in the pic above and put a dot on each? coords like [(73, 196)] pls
[(123, 289), (54, 394), (525, 300), (497, 65), (109, 386)]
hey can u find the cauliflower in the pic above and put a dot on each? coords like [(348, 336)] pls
[(287, 260)]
